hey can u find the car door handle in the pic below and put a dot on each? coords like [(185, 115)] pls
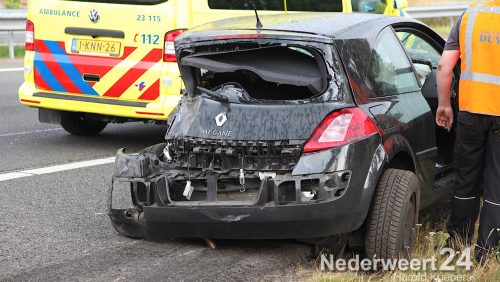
[(94, 32), (91, 77)]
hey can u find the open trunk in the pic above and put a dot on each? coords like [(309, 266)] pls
[(272, 73)]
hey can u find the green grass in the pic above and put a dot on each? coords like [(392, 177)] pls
[(18, 51), (12, 4), (440, 25), (431, 237)]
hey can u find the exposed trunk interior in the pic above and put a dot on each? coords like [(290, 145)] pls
[(270, 73)]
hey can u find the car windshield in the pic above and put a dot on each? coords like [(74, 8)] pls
[(271, 73)]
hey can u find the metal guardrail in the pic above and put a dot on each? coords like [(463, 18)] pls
[(11, 21), (15, 20), (437, 11)]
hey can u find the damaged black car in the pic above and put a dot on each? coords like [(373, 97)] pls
[(317, 127)]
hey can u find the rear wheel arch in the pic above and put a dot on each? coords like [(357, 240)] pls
[(399, 153), (402, 160)]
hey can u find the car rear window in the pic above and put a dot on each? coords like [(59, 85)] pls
[(129, 2), (278, 5), (271, 73)]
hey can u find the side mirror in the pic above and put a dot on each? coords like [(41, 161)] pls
[(400, 4)]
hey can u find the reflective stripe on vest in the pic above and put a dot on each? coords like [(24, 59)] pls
[(469, 77)]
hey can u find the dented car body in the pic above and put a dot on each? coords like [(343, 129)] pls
[(287, 132)]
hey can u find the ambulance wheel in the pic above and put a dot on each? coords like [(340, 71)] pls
[(390, 230), (77, 124)]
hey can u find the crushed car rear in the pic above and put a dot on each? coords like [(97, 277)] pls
[(266, 143)]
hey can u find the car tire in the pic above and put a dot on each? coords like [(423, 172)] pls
[(390, 230), (77, 124)]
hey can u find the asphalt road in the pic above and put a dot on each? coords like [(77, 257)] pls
[(54, 226)]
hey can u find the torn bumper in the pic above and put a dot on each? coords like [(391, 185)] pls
[(278, 209), (310, 221), (271, 205)]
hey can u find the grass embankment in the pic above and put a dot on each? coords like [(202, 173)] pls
[(441, 25), (431, 238), (18, 51)]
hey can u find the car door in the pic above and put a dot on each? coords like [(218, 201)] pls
[(425, 50), (395, 101)]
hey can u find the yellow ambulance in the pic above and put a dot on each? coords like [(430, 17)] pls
[(92, 62)]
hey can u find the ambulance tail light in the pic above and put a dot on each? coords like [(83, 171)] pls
[(30, 36), (341, 128), (169, 49)]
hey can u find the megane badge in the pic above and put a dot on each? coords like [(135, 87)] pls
[(94, 16), (220, 119)]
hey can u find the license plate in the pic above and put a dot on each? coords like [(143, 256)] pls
[(96, 47)]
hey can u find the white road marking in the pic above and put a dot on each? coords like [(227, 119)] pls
[(11, 69), (12, 175), (30, 132), (55, 168)]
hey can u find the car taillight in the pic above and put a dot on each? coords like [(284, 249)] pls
[(30, 36), (340, 128), (169, 48)]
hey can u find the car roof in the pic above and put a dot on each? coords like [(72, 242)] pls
[(334, 25)]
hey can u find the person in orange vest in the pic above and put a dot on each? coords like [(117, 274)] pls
[(475, 39)]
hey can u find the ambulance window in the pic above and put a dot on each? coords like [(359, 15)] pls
[(275, 5), (369, 6), (314, 5), (131, 2)]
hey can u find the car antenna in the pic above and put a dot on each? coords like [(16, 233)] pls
[(259, 23)]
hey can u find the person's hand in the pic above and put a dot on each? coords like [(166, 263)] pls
[(444, 117)]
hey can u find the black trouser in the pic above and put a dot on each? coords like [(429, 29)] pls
[(477, 164)]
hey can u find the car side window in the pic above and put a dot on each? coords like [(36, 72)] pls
[(424, 56), (390, 71)]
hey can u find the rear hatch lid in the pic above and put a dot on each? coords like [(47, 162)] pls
[(257, 86), (253, 99), (100, 48)]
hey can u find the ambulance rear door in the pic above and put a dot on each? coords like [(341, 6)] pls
[(106, 50)]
